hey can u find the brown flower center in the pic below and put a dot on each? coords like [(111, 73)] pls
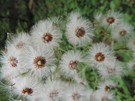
[(27, 91), (100, 57), (80, 32), (76, 96), (110, 20), (20, 45), (53, 94), (13, 61), (73, 64), (47, 37), (123, 32), (107, 88), (39, 62)]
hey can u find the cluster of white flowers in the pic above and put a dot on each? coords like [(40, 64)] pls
[(120, 30), (47, 64)]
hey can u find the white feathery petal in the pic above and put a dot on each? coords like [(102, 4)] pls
[(122, 31), (8, 74), (79, 80), (89, 94), (79, 30), (56, 21), (45, 33), (100, 55), (69, 63), (98, 17), (39, 62)]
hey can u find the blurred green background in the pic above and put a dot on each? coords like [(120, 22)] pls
[(20, 15)]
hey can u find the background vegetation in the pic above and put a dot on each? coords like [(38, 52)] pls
[(20, 15)]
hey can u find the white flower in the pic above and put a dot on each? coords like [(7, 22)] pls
[(45, 33), (77, 93), (122, 31), (131, 43), (111, 70), (52, 91), (79, 31), (20, 41), (69, 63), (39, 62), (107, 85), (111, 19), (26, 87), (100, 55), (10, 64), (10, 58), (101, 95)]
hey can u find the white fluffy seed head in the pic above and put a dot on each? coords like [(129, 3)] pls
[(11, 56), (111, 70), (69, 63), (26, 87), (38, 62), (52, 91), (77, 92), (20, 41), (10, 64), (79, 30), (122, 31), (46, 33), (111, 19), (100, 55)]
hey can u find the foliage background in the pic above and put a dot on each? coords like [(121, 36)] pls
[(20, 15)]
